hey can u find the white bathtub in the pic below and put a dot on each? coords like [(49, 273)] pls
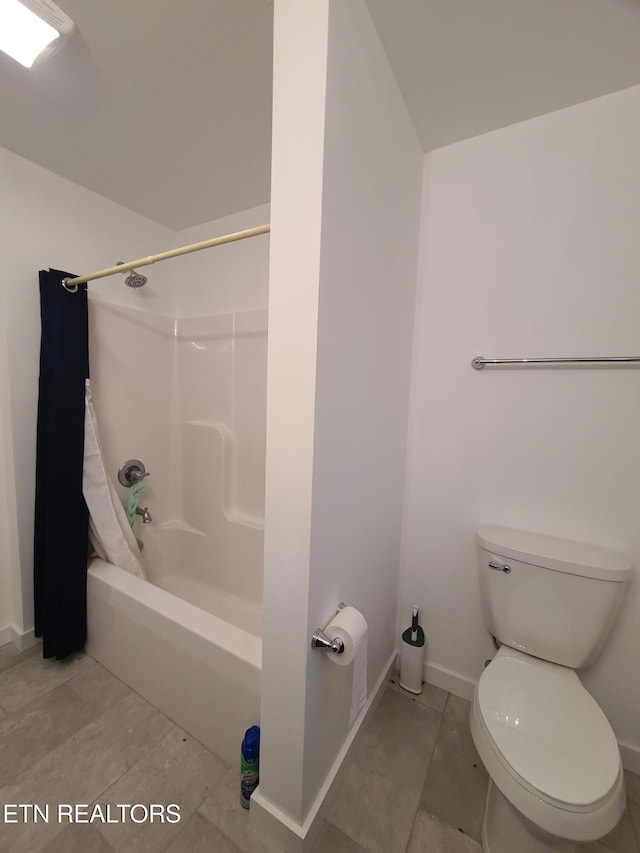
[(201, 670)]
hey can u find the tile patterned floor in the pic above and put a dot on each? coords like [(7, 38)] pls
[(72, 733)]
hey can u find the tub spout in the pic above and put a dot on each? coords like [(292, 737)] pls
[(144, 512)]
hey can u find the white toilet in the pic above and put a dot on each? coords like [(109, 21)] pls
[(553, 759)]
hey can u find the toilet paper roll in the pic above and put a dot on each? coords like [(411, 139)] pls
[(351, 627)]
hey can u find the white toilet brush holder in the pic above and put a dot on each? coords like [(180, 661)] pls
[(412, 652)]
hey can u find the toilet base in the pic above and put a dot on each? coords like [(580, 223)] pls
[(505, 830)]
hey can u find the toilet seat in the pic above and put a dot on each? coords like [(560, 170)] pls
[(548, 746)]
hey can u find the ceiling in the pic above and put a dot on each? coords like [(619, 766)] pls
[(165, 107), (161, 105), (466, 67)]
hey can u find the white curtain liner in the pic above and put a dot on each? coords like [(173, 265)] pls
[(109, 530)]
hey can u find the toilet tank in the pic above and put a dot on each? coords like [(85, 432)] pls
[(551, 598)]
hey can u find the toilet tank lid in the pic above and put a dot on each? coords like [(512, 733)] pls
[(550, 552)]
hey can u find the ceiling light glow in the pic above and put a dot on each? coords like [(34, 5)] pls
[(26, 29)]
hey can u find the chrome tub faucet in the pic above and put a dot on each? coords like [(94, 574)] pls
[(144, 512)]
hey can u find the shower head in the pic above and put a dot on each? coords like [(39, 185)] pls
[(134, 279)]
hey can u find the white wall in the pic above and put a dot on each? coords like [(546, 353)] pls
[(9, 602), (345, 209), (50, 222), (231, 277), (300, 49), (370, 218), (529, 248)]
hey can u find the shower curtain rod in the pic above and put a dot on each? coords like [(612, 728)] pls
[(72, 283)]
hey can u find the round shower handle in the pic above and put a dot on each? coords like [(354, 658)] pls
[(132, 471)]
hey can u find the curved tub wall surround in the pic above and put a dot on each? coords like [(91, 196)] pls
[(142, 318), (183, 561), (252, 321), (132, 361), (230, 350), (200, 670), (231, 556), (209, 369), (211, 447)]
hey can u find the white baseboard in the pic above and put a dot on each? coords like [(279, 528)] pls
[(299, 838), (446, 679), (6, 635), (630, 757), (23, 639), (449, 680)]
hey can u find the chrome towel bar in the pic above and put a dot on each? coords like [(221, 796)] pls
[(479, 362)]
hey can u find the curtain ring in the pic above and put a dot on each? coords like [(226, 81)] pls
[(71, 288)]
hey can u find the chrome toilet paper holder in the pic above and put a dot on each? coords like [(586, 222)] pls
[(320, 640)]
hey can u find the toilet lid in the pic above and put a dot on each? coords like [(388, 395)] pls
[(549, 729)]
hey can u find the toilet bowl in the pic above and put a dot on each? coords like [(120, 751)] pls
[(553, 759), (551, 754)]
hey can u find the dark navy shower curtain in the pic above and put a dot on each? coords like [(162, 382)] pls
[(61, 516)]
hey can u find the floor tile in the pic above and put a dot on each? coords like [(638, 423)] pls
[(430, 833), (622, 839), (201, 836), (35, 676), (98, 686), (82, 767), (10, 656), (78, 839), (222, 808), (178, 770), (71, 732), (431, 696), (456, 785), (378, 799), (331, 840), (26, 735)]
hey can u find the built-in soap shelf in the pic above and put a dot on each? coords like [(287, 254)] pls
[(234, 540), (208, 449)]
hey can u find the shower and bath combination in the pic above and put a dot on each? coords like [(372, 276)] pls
[(194, 617)]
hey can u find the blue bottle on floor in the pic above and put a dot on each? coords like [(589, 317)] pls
[(249, 764)]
